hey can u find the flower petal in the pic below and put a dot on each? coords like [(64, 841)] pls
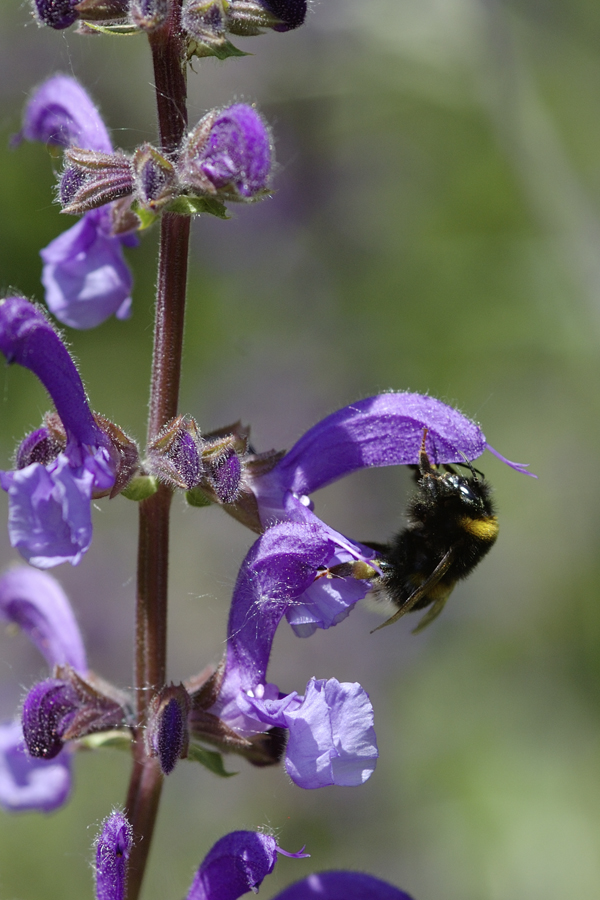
[(238, 151), (27, 783), (331, 734), (37, 603), (61, 112), (342, 886), (85, 274), (28, 338), (385, 430), (236, 864), (49, 518)]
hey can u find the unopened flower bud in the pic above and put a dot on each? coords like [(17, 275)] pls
[(175, 455), (38, 447), (112, 857), (148, 14), (155, 178), (224, 471), (229, 153), (205, 23), (291, 13), (48, 708), (167, 734), (56, 13), (92, 179), (248, 17)]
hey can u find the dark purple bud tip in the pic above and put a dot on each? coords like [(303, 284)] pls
[(291, 12), (56, 13), (226, 476), (38, 447), (238, 152), (112, 857), (175, 455), (47, 710), (167, 736), (155, 179), (71, 181)]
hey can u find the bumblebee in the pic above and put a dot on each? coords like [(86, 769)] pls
[(451, 526)]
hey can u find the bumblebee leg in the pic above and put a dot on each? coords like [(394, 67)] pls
[(431, 614), (437, 574)]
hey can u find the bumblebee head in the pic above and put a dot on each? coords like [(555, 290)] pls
[(444, 485)]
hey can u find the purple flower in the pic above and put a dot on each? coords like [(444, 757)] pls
[(112, 857), (240, 861), (331, 735), (236, 864), (49, 503), (342, 886), (37, 604), (384, 430), (30, 784), (85, 275), (234, 157)]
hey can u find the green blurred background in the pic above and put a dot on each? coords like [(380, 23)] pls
[(436, 227)]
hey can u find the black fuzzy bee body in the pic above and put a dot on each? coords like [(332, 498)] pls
[(451, 526)]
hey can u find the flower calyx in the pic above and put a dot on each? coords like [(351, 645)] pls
[(229, 467), (155, 178), (167, 733), (262, 749), (227, 157), (207, 22), (91, 179), (68, 707), (175, 456)]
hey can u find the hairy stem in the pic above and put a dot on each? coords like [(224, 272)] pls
[(153, 548)]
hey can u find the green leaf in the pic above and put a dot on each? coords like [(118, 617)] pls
[(193, 206), (118, 740), (222, 50), (140, 488), (146, 217), (197, 497), (210, 759)]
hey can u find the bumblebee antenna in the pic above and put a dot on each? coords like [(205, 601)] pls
[(470, 466)]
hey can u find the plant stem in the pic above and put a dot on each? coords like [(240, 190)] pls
[(153, 547)]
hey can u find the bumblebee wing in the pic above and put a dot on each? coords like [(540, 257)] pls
[(431, 614), (437, 574)]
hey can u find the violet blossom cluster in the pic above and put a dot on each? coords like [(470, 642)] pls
[(324, 735), (228, 156)]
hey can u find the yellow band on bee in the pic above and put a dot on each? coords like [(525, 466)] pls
[(484, 529)]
